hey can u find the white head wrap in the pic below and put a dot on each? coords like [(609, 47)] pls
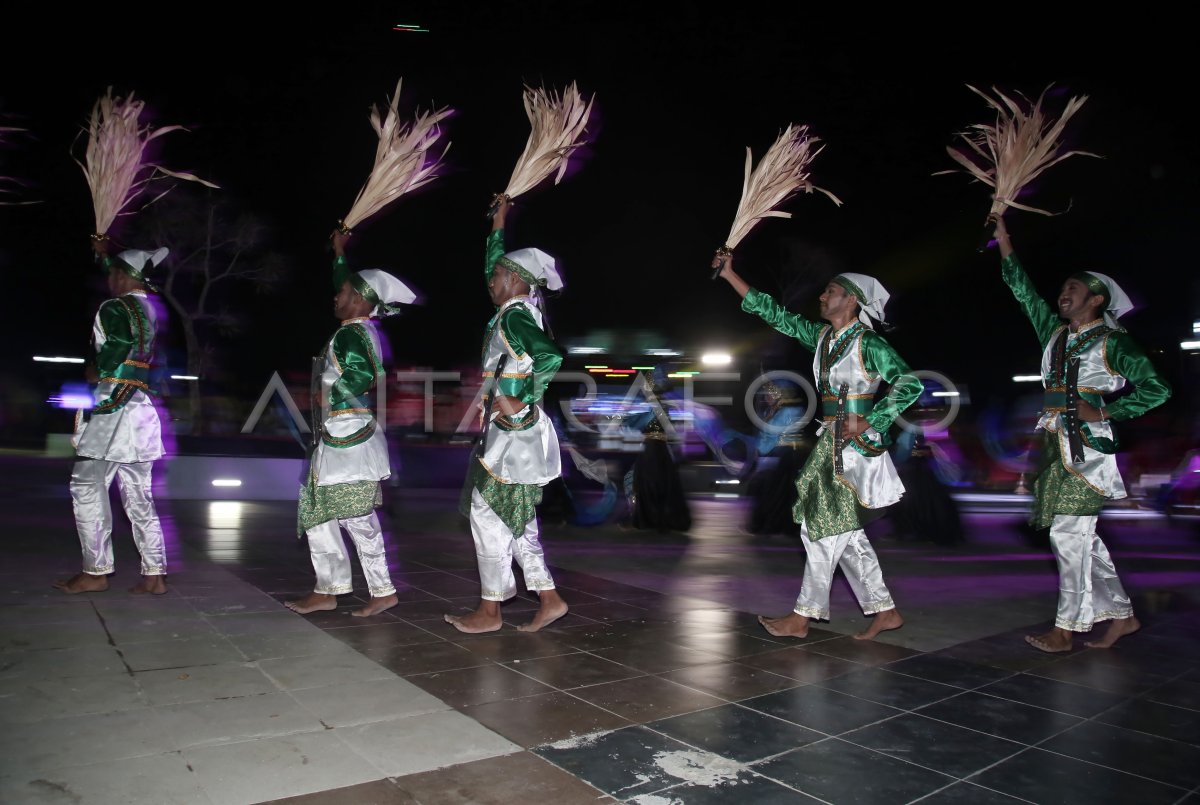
[(388, 291), (535, 264), (137, 259), (872, 296), (1118, 302)]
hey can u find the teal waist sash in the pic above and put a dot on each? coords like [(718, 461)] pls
[(859, 404)]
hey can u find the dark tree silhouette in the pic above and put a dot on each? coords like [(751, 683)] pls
[(215, 245)]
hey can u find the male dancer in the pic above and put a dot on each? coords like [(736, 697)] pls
[(1082, 359), (849, 477), (351, 457), (122, 436), (521, 454)]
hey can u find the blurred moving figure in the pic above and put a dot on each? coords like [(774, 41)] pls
[(785, 448), (927, 511), (652, 485)]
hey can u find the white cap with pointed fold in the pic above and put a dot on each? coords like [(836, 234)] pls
[(535, 267), (872, 296), (136, 259), (1119, 302), (384, 290)]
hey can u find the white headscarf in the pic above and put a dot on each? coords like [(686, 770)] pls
[(537, 265), (872, 296), (1118, 302), (389, 291), (137, 259)]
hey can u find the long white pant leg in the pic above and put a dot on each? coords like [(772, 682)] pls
[(1109, 599), (372, 554), (493, 551), (529, 555), (821, 561), (138, 499), (329, 558), (861, 566), (90, 479), (1088, 587)]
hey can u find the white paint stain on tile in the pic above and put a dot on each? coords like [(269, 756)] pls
[(700, 768), (580, 741), (655, 799)]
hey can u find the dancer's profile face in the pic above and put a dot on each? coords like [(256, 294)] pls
[(349, 304), (496, 285), (504, 285), (120, 283), (836, 301)]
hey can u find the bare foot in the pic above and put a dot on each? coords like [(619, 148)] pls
[(882, 622), (1116, 630), (473, 623), (313, 602), (152, 585), (793, 625), (82, 583), (1055, 641), (376, 606), (485, 618), (552, 608)]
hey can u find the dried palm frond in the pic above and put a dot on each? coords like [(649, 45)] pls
[(113, 163), (556, 126), (781, 172), (1009, 154), (402, 158)]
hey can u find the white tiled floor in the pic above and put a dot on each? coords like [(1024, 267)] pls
[(224, 705)]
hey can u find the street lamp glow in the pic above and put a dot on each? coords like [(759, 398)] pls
[(226, 482), (56, 359), (586, 350), (664, 353), (1190, 346), (716, 359), (1027, 378)]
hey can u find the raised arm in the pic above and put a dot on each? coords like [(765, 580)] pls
[(341, 268), (770, 311), (495, 241), (904, 389), (1043, 318)]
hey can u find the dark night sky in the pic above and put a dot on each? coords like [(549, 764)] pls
[(278, 110)]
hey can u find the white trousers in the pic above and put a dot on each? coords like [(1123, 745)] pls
[(851, 551), (90, 481), (1088, 588), (331, 561), (495, 548)]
